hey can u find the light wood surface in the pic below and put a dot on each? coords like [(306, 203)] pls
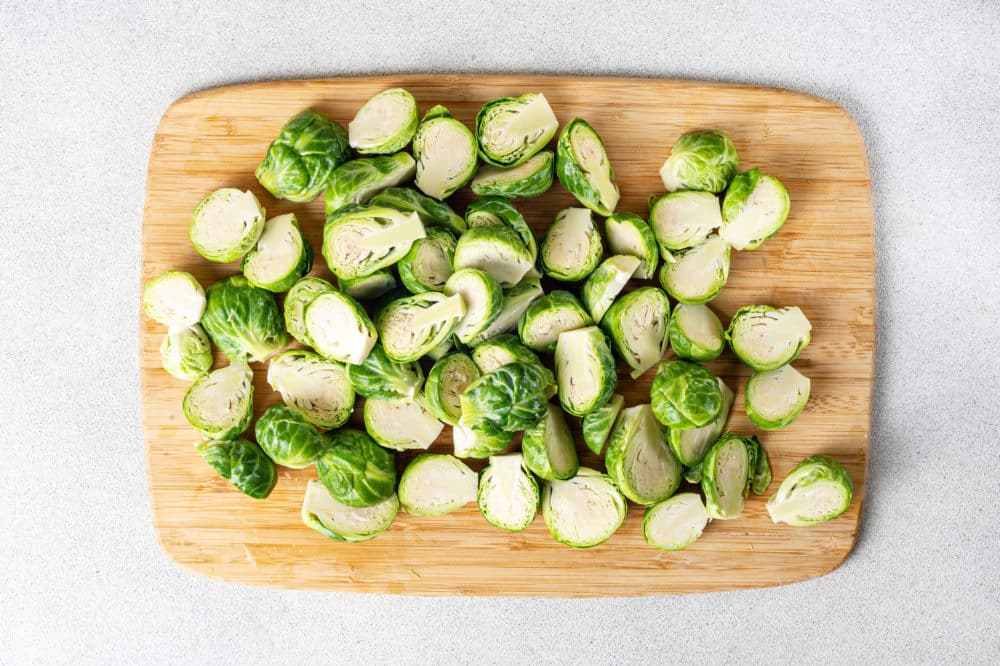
[(822, 260)]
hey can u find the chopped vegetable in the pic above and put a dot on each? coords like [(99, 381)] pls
[(627, 233), (243, 320), (606, 282), (817, 490), (638, 458), (696, 333), (220, 404), (585, 370), (684, 219), (775, 398), (381, 377), (241, 463), (685, 395), (697, 275), (583, 511), (483, 298), (357, 181), (385, 124), (766, 338), (755, 208), (401, 424), (288, 438), (530, 179), (186, 353), (360, 240), (434, 484), (556, 312), (339, 328), (174, 299), (298, 163), (226, 224), (508, 494), (597, 425), (700, 160), (584, 169), (355, 470), (445, 151), (548, 447), (572, 246), (427, 266), (446, 382), (281, 256), (637, 324), (318, 389), (675, 523), (341, 522), (510, 130), (411, 327)]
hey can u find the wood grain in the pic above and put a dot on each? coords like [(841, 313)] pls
[(822, 261)]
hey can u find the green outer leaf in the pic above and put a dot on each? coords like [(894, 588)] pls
[(355, 219), (549, 442), (394, 141), (761, 478), (303, 263), (357, 471), (597, 361), (675, 503), (368, 287), (357, 181), (298, 163), (441, 244), (530, 179), (239, 413), (478, 439), (253, 227), (626, 434), (528, 145), (685, 395), (644, 311), (498, 250), (488, 211), (501, 350), (534, 318), (589, 242), (515, 301), (690, 445), (381, 377), (187, 353), (572, 174), (399, 313), (685, 347), (414, 505), (511, 398), (328, 408), (462, 167), (447, 380), (483, 298), (597, 425), (785, 419), (699, 254), (715, 494), (288, 438), (431, 211), (751, 317), (524, 480), (380, 517), (701, 160), (297, 299), (807, 474), (606, 282), (619, 227), (739, 191), (243, 321), (587, 482), (242, 463)]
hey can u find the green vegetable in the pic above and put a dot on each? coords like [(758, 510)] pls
[(355, 470), (572, 246), (186, 353), (685, 395), (445, 151), (446, 382), (675, 523), (516, 300), (638, 458), (496, 249), (381, 377), (477, 439), (434, 484), (300, 160), (500, 351), (341, 522), (511, 398), (220, 404), (754, 209), (606, 282), (281, 256), (226, 224), (297, 300), (360, 240), (401, 423), (241, 463), (385, 124), (596, 425), (410, 327), (637, 324), (584, 169), (530, 179), (766, 338), (369, 287), (775, 398), (483, 300), (510, 130), (427, 266), (243, 320), (817, 490), (508, 494), (691, 444), (357, 181), (700, 160), (431, 211), (318, 390), (697, 275), (684, 219), (496, 211), (556, 312), (339, 328), (727, 473), (288, 438), (583, 511), (696, 333), (628, 233), (761, 477), (585, 370), (548, 447), (174, 299)]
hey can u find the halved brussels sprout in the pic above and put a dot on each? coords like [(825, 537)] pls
[(701, 160), (596, 425), (691, 444), (427, 266), (675, 523), (530, 179), (584, 511), (357, 471), (637, 324), (761, 477), (508, 494), (401, 424), (684, 219), (243, 320), (584, 169), (434, 484), (281, 256), (341, 522), (726, 475), (476, 439), (288, 438), (556, 312), (241, 463), (360, 240), (175, 299), (628, 233), (438, 352), (512, 129), (496, 211), (606, 282), (433, 213), (339, 328), (511, 398), (572, 246), (483, 300), (638, 458), (369, 287), (775, 398), (220, 404), (445, 151), (410, 327), (319, 390), (496, 249), (385, 124), (548, 447), (297, 300), (299, 162), (685, 395), (766, 338), (585, 370), (500, 351), (226, 224), (446, 382), (516, 300), (754, 209), (186, 353), (696, 333), (817, 490), (697, 275), (381, 377), (357, 181)]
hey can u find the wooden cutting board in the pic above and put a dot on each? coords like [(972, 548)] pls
[(822, 260)]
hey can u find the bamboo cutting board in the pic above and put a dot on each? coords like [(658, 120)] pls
[(822, 260)]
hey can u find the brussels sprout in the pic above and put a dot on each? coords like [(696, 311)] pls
[(401, 423), (511, 398), (700, 160), (775, 398), (628, 233), (548, 447), (638, 458), (381, 377), (186, 353), (220, 404), (696, 333), (427, 266), (445, 151), (431, 211), (691, 444), (446, 382), (319, 390), (754, 209), (685, 395), (360, 240), (817, 490), (530, 179), (476, 439), (675, 523), (606, 282), (226, 224), (508, 494), (496, 249), (369, 287), (385, 124), (357, 181), (341, 522), (512, 129), (761, 477), (483, 300), (243, 320), (299, 162), (596, 425), (434, 484), (339, 328), (357, 471), (556, 312), (516, 300), (726, 475), (241, 463), (495, 211), (584, 169), (500, 351), (766, 338), (572, 246), (174, 299), (288, 438), (697, 275), (585, 370), (684, 219), (583, 511), (438, 352), (281, 256), (412, 326), (297, 300), (637, 325)]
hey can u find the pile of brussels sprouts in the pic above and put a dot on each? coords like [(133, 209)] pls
[(438, 319)]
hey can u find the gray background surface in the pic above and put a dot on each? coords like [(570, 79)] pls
[(81, 90)]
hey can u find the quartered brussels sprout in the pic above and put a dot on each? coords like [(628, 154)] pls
[(548, 447), (685, 395), (226, 224), (511, 398), (584, 169), (434, 484), (339, 328), (675, 523), (220, 404), (696, 333), (496, 211), (433, 213), (496, 249), (341, 522), (697, 275), (530, 179), (412, 326), (241, 463), (500, 351), (445, 151), (298, 163), (729, 471), (817, 490), (585, 370), (381, 377), (508, 494), (174, 299), (483, 300), (583, 511), (516, 300), (701, 160), (775, 398), (596, 425), (369, 287), (297, 300), (477, 439), (638, 458), (288, 438), (385, 124), (357, 181), (761, 477), (355, 470), (556, 312), (637, 324), (243, 320), (401, 424), (360, 240), (572, 247), (627, 233), (606, 282), (691, 444), (427, 266), (319, 390), (512, 129), (754, 209), (281, 256), (446, 382), (766, 338), (186, 353), (684, 219)]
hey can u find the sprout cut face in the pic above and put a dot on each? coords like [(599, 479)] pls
[(817, 490), (725, 479), (775, 398), (242, 463), (287, 438), (548, 448), (697, 275), (555, 313), (280, 257), (432, 212), (508, 494), (300, 160), (510, 130), (410, 327), (446, 382), (341, 522), (226, 224), (696, 333), (355, 470), (243, 320), (401, 424), (515, 301), (175, 299), (701, 160), (597, 424), (445, 151), (572, 246), (297, 299), (638, 458), (360, 240), (530, 179), (220, 404), (434, 485), (381, 377), (584, 511), (691, 444), (339, 328), (637, 324), (755, 208), (369, 287), (676, 523), (585, 370), (628, 233), (584, 169), (684, 219), (685, 395), (186, 353), (500, 351), (385, 124), (427, 266), (605, 283), (483, 300), (496, 249), (766, 338), (357, 181), (317, 389)]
